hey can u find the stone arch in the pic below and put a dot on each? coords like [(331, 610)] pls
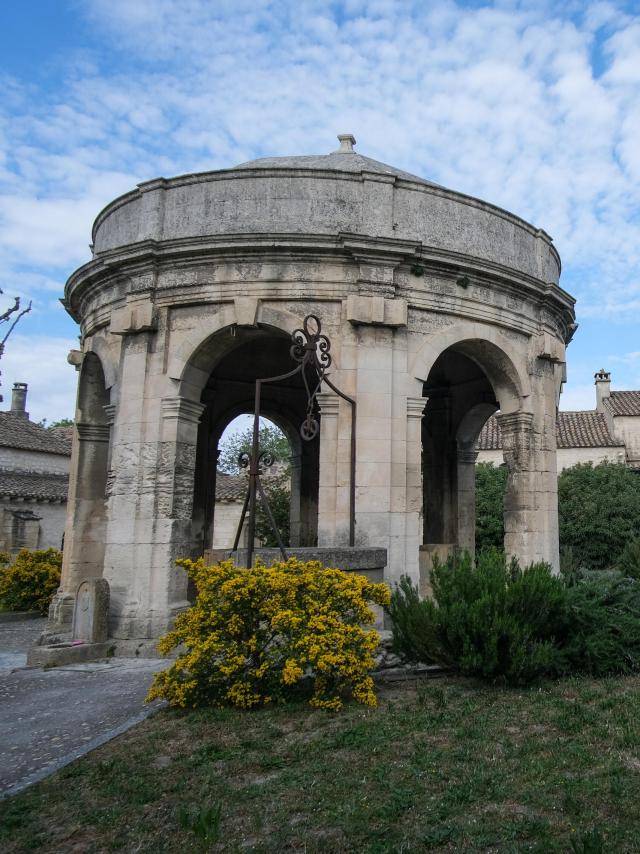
[(465, 379), (191, 364), (222, 371), (98, 346), (503, 364)]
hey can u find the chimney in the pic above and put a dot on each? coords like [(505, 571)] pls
[(19, 400), (603, 388)]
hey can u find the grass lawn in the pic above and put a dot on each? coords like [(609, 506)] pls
[(446, 765)]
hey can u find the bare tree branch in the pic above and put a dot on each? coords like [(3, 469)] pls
[(5, 318)]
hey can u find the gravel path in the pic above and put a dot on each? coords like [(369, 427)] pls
[(51, 717)]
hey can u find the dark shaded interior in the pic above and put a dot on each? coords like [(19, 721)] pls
[(229, 392), (460, 399)]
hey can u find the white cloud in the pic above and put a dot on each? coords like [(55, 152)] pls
[(530, 105), (41, 362), (577, 397)]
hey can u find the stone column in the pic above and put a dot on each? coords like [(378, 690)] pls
[(329, 404), (467, 499), (374, 395), (150, 519), (531, 498), (295, 509), (86, 520), (413, 486)]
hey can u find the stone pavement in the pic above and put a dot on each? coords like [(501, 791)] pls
[(51, 717)]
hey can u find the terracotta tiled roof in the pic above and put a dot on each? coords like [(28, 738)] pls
[(33, 485), (623, 402), (490, 438), (586, 429), (230, 487), (18, 432)]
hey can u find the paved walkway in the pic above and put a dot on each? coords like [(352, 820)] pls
[(51, 717)]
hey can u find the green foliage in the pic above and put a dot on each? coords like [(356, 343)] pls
[(255, 636), (490, 486), (599, 513), (203, 822), (602, 625), (278, 489), (62, 422), (491, 620), (29, 583), (599, 509), (629, 561), (271, 439)]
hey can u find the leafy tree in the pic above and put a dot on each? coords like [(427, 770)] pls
[(490, 486), (598, 506), (599, 509), (63, 422), (271, 439), (278, 489)]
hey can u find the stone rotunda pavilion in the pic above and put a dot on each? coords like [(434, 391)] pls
[(441, 310)]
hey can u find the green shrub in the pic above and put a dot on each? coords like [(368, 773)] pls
[(599, 512), (602, 629), (491, 483), (29, 583), (255, 636), (629, 561), (490, 620)]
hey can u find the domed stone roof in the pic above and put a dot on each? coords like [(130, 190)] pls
[(345, 159)]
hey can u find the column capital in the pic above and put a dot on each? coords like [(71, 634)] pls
[(517, 439), (467, 455), (181, 409), (415, 407), (329, 403), (92, 432), (513, 422)]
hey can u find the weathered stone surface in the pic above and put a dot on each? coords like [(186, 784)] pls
[(441, 309), (90, 616)]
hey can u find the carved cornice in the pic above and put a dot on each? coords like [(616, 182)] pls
[(182, 409)]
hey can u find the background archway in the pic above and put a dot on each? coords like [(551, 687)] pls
[(247, 354)]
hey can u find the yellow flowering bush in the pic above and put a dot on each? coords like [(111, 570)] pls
[(254, 635), (29, 583)]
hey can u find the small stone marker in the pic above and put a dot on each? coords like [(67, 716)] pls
[(91, 611)]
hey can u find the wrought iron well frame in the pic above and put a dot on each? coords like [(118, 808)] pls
[(310, 349)]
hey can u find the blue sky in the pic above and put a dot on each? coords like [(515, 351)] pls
[(533, 106)]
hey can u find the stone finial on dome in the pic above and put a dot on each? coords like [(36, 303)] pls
[(347, 141)]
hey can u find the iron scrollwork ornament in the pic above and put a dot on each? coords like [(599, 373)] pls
[(310, 350)]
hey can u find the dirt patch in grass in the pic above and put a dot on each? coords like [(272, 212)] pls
[(446, 766)]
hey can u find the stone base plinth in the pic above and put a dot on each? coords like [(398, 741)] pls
[(58, 654)]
